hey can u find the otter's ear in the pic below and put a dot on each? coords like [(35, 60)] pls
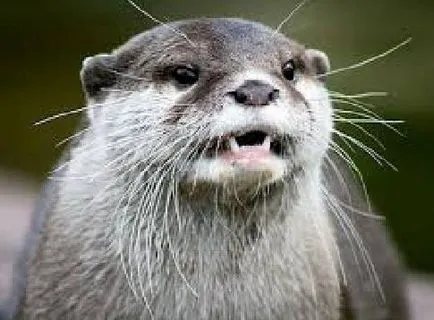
[(319, 62), (98, 72)]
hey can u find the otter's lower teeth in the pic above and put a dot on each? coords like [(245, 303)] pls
[(267, 143), (234, 144)]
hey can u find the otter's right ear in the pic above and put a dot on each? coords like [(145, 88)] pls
[(98, 72), (319, 62)]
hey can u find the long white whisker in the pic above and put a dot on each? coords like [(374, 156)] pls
[(358, 95), (363, 130), (75, 111), (290, 15), (148, 15), (355, 169), (369, 60), (377, 157), (363, 250), (72, 137), (369, 115), (60, 115)]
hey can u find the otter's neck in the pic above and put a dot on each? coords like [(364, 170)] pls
[(273, 257)]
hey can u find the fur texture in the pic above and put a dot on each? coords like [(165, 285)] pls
[(143, 224)]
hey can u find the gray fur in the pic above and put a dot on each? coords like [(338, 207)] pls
[(363, 296), (126, 237)]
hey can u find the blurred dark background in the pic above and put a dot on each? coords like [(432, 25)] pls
[(44, 42)]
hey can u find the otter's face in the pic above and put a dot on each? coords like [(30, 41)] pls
[(233, 102)]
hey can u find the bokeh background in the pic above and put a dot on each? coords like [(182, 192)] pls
[(44, 42)]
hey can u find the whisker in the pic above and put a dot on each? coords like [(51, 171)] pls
[(148, 15), (120, 90), (339, 175), (169, 241), (61, 115), (367, 260), (289, 16), (363, 250), (358, 120), (370, 115), (76, 111), (355, 169), (369, 60), (363, 130), (358, 95), (355, 210), (377, 157)]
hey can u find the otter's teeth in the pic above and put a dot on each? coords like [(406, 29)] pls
[(234, 144), (267, 143)]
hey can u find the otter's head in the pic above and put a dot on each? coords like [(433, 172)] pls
[(211, 101)]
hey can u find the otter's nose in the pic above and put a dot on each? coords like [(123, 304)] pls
[(255, 93)]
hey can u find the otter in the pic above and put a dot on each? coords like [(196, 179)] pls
[(202, 186)]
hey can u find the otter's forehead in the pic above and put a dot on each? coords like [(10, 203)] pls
[(229, 42)]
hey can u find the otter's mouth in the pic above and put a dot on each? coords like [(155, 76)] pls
[(248, 146)]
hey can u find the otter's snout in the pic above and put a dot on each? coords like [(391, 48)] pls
[(255, 93)]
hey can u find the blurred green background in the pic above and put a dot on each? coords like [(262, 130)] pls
[(44, 42)]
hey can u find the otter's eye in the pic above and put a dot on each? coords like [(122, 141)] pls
[(186, 75), (288, 70)]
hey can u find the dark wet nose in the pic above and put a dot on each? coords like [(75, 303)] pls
[(255, 93)]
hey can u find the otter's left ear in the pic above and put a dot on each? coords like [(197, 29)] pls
[(319, 61), (98, 72)]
